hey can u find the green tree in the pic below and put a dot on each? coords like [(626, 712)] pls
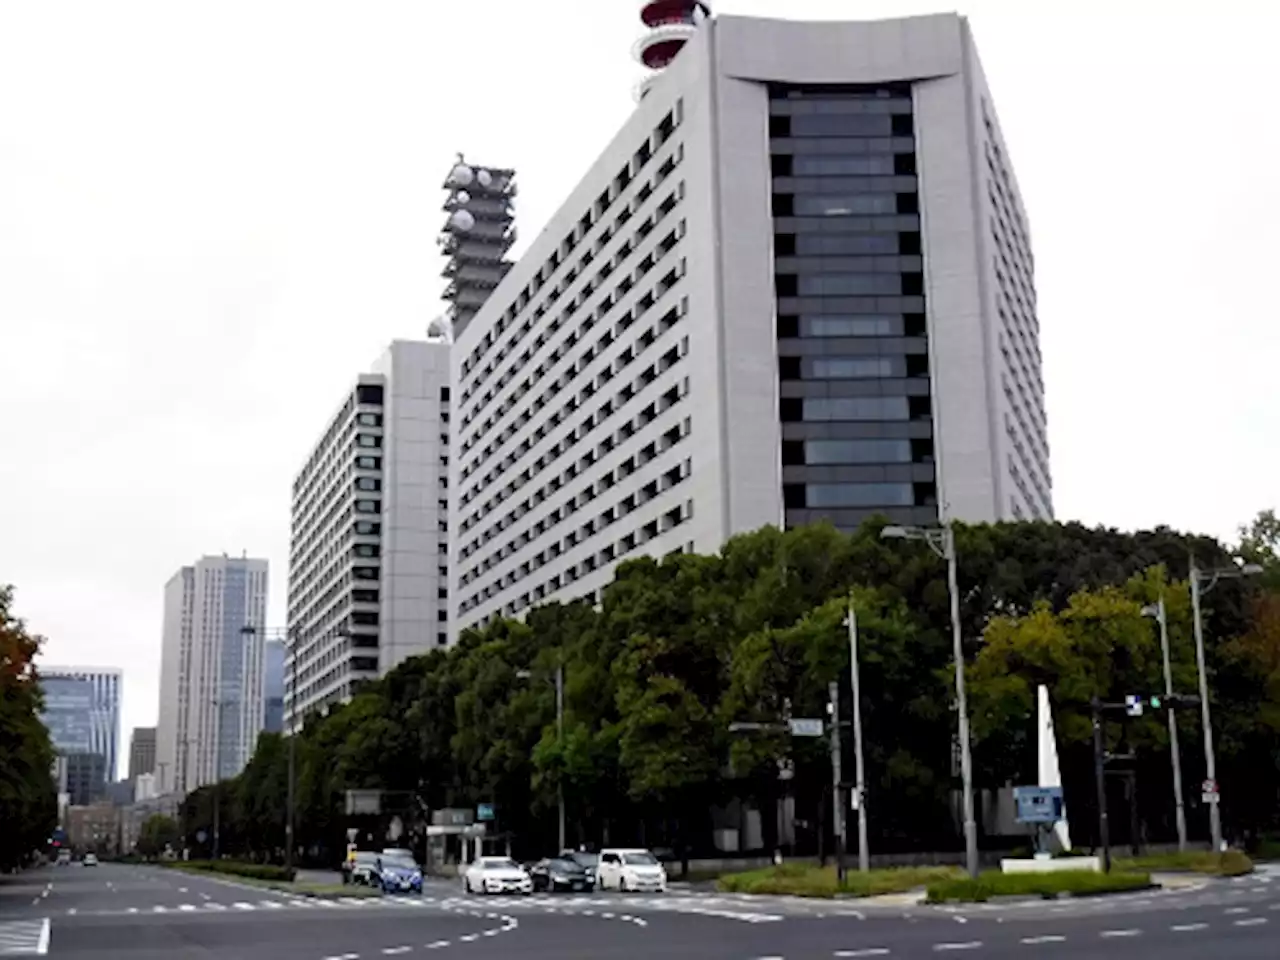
[(158, 835), (28, 800)]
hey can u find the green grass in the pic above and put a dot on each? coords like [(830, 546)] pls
[(1047, 885), (1233, 863), (269, 882), (235, 868), (809, 881)]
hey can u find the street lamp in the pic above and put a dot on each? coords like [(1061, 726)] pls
[(525, 675), (1157, 610), (1210, 579), (942, 541)]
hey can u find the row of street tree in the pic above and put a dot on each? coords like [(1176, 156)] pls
[(682, 647)]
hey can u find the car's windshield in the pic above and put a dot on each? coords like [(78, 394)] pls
[(498, 863), (641, 859), (586, 859), (399, 863), (565, 864)]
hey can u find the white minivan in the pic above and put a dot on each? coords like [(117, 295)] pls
[(631, 870)]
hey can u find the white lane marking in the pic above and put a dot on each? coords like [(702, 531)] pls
[(71, 912), (205, 896), (133, 909), (392, 951), (215, 906), (1120, 933), (1236, 910), (956, 919), (42, 945), (436, 945), (1188, 927), (469, 938), (1251, 922), (271, 904), (1048, 938), (492, 933), (188, 907), (183, 890), (344, 956), (866, 952), (967, 945), (241, 905), (606, 916), (159, 909)]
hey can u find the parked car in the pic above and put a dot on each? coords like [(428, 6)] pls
[(496, 875), (633, 869), (559, 873), (589, 862), (397, 872), (90, 860)]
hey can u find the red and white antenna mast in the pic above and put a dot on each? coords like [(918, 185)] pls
[(669, 25)]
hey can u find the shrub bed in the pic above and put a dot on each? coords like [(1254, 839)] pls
[(808, 881), (1048, 885), (1233, 863), (237, 868)]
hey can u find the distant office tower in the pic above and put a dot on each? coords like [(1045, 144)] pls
[(797, 286), (82, 710), (477, 236), (142, 752), (273, 686), (211, 671), (82, 778), (368, 557)]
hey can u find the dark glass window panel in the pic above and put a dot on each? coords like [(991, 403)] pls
[(836, 495)]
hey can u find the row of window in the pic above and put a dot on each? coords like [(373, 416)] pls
[(819, 326), (610, 368), (645, 153), (535, 376), (572, 505), (371, 394)]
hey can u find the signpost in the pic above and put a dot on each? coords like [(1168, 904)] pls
[(1209, 791), (484, 811), (1041, 807), (802, 727)]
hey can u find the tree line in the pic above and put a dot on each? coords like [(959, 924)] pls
[(683, 647)]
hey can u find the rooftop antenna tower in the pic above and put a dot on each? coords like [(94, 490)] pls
[(669, 25), (477, 237)]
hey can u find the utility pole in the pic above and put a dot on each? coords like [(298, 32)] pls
[(292, 689), (560, 744), (837, 808), (860, 784), (1175, 754), (1206, 720), (1100, 781)]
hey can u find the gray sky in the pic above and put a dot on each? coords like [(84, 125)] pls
[(213, 213)]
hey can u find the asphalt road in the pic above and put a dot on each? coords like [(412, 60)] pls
[(117, 912)]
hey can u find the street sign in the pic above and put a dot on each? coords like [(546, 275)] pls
[(484, 811), (1209, 791), (1133, 705), (1038, 804), (801, 727)]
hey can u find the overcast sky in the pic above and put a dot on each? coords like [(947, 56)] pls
[(213, 214)]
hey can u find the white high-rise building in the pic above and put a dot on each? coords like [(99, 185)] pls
[(797, 286), (211, 671), (368, 554)]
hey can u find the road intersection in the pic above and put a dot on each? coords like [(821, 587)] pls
[(117, 912)]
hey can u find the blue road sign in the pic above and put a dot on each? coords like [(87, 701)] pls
[(484, 811), (1038, 804)]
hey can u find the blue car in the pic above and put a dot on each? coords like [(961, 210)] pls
[(398, 875)]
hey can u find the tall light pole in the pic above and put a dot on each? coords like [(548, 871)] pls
[(1158, 611), (1210, 578), (942, 541), (860, 784), (559, 684), (291, 690)]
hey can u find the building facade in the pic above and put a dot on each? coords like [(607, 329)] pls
[(797, 286), (211, 671), (142, 752), (368, 562), (82, 711)]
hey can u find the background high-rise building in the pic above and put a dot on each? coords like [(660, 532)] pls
[(142, 752), (797, 286), (82, 712), (274, 654), (211, 671), (477, 235), (368, 556)]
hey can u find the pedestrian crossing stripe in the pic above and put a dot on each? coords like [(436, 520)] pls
[(24, 938)]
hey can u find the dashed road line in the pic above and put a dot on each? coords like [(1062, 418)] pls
[(1108, 934), (864, 952), (394, 951), (1047, 938), (1188, 927), (1251, 922), (967, 945)]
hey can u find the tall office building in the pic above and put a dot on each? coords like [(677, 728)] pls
[(796, 286), (368, 556), (82, 712), (274, 654), (142, 752), (211, 671)]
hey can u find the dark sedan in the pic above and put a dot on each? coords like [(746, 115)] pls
[(559, 874)]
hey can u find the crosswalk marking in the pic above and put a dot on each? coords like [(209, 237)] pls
[(24, 938)]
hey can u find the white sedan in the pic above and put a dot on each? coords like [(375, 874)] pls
[(497, 875)]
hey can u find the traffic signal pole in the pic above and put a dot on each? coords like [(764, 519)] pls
[(1100, 778)]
